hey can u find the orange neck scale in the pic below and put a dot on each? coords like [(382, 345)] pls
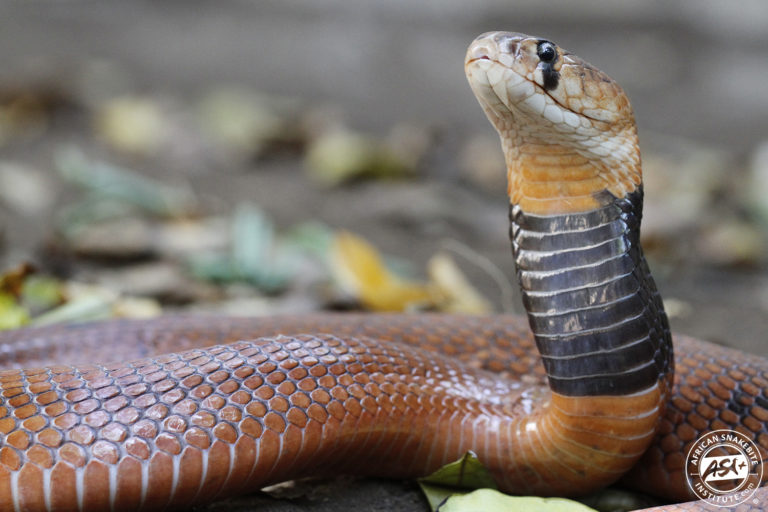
[(545, 178)]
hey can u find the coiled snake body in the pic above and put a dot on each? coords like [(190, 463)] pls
[(236, 404)]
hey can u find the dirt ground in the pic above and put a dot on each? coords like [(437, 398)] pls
[(693, 70)]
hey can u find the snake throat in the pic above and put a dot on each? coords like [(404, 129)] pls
[(595, 312)]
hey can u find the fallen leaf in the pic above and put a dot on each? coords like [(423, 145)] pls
[(458, 477), (249, 123), (341, 155), (132, 307), (12, 280), (41, 293), (256, 255), (103, 180), (132, 124), (360, 271), (732, 242), (12, 314), (459, 296), (489, 500), (85, 303), (312, 237), (757, 183)]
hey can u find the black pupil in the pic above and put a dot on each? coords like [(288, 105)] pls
[(546, 51)]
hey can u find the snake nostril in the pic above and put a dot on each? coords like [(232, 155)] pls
[(479, 53), (507, 43)]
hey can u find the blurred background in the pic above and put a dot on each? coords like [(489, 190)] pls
[(200, 155), (288, 156)]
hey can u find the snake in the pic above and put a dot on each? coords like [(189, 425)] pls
[(583, 391)]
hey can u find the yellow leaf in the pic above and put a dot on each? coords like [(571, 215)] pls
[(129, 307), (40, 293), (459, 295), (12, 315), (132, 124), (360, 270), (341, 156)]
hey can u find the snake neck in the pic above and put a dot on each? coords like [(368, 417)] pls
[(592, 304), (548, 175)]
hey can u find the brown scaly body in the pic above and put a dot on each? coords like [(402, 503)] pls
[(712, 382), (201, 407), (303, 398)]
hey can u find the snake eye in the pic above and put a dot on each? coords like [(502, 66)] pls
[(546, 52)]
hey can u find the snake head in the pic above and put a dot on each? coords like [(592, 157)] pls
[(517, 74), (544, 100)]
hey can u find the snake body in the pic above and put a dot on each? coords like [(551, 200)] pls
[(198, 408)]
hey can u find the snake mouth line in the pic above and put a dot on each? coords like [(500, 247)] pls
[(537, 86)]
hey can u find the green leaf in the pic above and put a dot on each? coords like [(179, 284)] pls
[(466, 473), (437, 495), (41, 293), (104, 180), (85, 308), (257, 256), (12, 315), (456, 478), (489, 500), (311, 237), (339, 156), (253, 238)]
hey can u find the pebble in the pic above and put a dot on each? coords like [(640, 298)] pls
[(162, 280), (26, 190), (132, 124)]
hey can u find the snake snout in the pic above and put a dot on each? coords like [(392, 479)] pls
[(490, 45), (478, 50)]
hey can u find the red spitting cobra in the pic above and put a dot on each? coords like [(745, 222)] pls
[(236, 404)]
